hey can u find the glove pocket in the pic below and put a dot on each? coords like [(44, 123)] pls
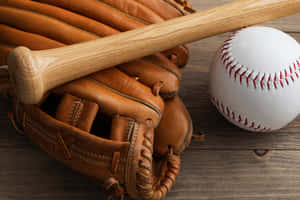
[(82, 151)]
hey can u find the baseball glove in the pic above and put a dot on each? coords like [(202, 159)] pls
[(78, 103), (101, 18)]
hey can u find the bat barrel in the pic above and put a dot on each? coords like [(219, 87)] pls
[(25, 75)]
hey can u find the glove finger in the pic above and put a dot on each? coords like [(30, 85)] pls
[(153, 70), (63, 15), (113, 78), (108, 15), (175, 129), (117, 101), (36, 23), (153, 12), (18, 37), (151, 178), (184, 5), (178, 55), (100, 12), (136, 9), (129, 86), (167, 9), (4, 51)]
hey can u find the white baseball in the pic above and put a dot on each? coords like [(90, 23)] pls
[(255, 79)]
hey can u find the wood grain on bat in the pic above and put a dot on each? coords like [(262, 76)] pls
[(35, 72)]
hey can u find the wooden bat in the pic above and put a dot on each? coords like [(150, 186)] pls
[(34, 72)]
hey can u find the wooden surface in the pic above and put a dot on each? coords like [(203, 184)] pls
[(226, 166)]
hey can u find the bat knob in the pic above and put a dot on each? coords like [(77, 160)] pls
[(25, 75)]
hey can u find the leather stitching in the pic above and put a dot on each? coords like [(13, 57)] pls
[(130, 153), (257, 80), (142, 187), (89, 157), (175, 6), (129, 97), (121, 11), (161, 66), (243, 121), (75, 113)]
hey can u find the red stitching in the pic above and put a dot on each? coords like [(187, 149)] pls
[(240, 118), (236, 72), (283, 75), (230, 39), (223, 56), (261, 82), (226, 111), (241, 77), (231, 68), (292, 78), (225, 48), (268, 83), (248, 77), (227, 44), (222, 106), (225, 60), (274, 82), (254, 81), (228, 64), (246, 122), (281, 83)]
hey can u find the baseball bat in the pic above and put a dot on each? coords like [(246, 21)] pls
[(33, 73)]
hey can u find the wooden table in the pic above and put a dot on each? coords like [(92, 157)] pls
[(229, 164)]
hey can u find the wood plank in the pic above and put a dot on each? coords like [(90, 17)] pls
[(238, 175), (203, 51), (206, 174), (289, 24), (26, 172)]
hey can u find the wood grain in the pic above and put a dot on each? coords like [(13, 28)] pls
[(224, 167), (33, 73)]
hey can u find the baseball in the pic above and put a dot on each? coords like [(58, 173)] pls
[(255, 79)]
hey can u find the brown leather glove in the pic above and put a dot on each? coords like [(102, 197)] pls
[(51, 32), (105, 132), (54, 30), (101, 18)]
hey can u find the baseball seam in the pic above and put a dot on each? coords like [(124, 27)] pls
[(243, 121), (257, 80)]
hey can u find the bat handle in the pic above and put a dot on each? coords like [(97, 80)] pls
[(26, 75)]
